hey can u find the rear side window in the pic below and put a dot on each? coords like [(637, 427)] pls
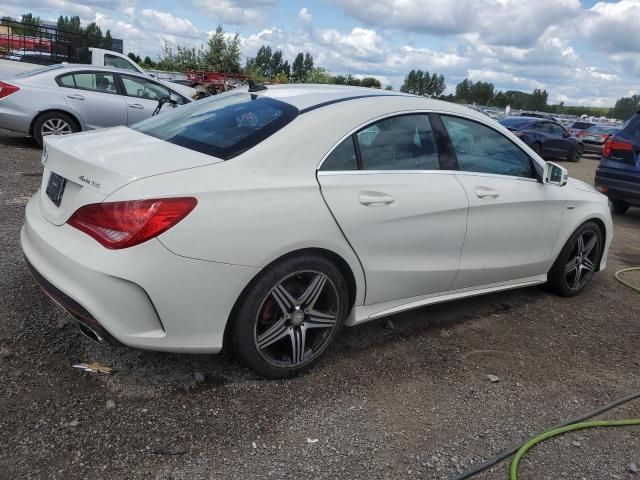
[(223, 126), (342, 158), (97, 81), (481, 149)]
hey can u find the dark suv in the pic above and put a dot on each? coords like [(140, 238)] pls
[(618, 175)]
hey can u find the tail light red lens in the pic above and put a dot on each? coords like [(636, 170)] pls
[(612, 145), (7, 89), (119, 225)]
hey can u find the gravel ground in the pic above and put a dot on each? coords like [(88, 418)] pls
[(406, 400)]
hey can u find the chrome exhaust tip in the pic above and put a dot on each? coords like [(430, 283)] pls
[(90, 333)]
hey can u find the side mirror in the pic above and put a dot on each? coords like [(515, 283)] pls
[(554, 174), (174, 99)]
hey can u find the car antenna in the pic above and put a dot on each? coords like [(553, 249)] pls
[(255, 87)]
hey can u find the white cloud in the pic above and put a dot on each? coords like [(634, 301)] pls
[(170, 24), (235, 12), (304, 15)]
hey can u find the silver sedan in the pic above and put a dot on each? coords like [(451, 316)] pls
[(63, 99)]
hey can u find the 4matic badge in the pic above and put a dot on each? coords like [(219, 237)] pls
[(88, 181)]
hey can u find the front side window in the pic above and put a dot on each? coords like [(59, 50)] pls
[(117, 62), (481, 149), (141, 88), (97, 81), (223, 126), (405, 142)]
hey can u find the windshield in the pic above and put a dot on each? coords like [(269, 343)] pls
[(36, 71), (223, 126)]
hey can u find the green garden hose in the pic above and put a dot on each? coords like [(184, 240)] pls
[(619, 273), (513, 471)]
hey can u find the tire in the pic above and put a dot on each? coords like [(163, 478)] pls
[(575, 153), (298, 301), (572, 270), (57, 123), (619, 207), (537, 148)]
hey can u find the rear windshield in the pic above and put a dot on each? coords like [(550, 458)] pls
[(515, 122), (581, 125), (223, 126)]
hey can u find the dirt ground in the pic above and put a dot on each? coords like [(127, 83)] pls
[(407, 400)]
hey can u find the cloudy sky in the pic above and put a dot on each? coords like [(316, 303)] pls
[(583, 53)]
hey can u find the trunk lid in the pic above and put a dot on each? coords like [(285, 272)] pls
[(97, 163)]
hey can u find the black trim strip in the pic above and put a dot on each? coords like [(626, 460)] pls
[(339, 100), (356, 147)]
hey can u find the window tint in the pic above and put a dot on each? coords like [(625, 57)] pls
[(343, 157), (224, 126), (399, 143), (141, 88), (117, 62), (97, 81), (482, 149)]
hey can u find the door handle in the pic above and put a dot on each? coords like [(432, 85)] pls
[(137, 106), (375, 198), (76, 96), (482, 192)]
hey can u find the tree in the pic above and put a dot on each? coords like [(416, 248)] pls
[(482, 93), (297, 69), (69, 24), (134, 57), (319, 75), (463, 91), (107, 43), (370, 82), (216, 49), (424, 84), (94, 35), (148, 62), (625, 107), (231, 57), (388, 87), (307, 64), (537, 100)]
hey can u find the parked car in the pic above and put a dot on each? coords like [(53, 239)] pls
[(272, 216), (618, 175), (579, 126), (594, 138), (62, 99), (546, 138)]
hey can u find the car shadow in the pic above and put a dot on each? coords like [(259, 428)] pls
[(9, 139)]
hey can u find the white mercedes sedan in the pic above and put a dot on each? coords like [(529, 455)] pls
[(269, 217)]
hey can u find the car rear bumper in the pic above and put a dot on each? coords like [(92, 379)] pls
[(144, 296), (619, 184), (14, 118), (593, 147)]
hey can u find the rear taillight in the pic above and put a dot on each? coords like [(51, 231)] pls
[(604, 136), (7, 89), (125, 224), (615, 145)]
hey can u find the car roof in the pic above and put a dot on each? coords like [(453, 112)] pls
[(85, 66), (308, 97)]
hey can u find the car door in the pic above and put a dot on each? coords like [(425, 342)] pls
[(94, 96), (141, 96), (554, 143), (404, 216), (513, 219)]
